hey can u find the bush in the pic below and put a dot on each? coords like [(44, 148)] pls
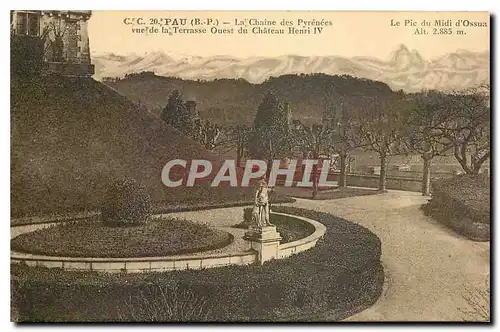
[(126, 203), (463, 204)]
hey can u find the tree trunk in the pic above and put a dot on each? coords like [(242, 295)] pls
[(343, 177), (426, 178), (383, 172), (477, 162), (239, 154), (268, 170), (461, 157)]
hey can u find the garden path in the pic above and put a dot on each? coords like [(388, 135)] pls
[(432, 273)]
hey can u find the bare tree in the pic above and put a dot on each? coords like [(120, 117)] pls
[(313, 141), (345, 136), (428, 113), (208, 135), (235, 138), (381, 126), (468, 127)]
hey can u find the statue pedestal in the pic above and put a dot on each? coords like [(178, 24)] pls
[(266, 241)]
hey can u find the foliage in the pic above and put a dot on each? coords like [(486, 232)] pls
[(126, 203), (291, 229), (174, 113), (427, 113), (233, 101), (340, 276), (207, 134), (313, 141), (26, 56), (53, 35), (90, 239), (462, 203), (71, 136), (381, 125)]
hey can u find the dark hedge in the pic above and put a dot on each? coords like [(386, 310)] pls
[(463, 204)]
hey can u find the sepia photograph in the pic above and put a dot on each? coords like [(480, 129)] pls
[(250, 166)]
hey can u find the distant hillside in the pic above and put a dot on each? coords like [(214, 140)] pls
[(227, 101), (70, 136), (403, 69)]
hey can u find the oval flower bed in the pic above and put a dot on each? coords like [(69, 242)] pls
[(94, 239)]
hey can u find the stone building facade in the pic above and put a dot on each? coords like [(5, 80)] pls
[(64, 35)]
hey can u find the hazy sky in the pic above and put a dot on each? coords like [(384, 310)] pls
[(351, 34)]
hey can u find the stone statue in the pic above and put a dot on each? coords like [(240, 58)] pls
[(260, 213)]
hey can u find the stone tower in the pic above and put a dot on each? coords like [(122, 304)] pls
[(64, 35)]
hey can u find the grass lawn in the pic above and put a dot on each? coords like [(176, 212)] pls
[(94, 239), (330, 194)]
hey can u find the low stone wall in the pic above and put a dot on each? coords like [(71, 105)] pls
[(157, 264), (117, 265), (395, 183)]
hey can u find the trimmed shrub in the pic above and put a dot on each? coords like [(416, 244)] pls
[(463, 204), (126, 203)]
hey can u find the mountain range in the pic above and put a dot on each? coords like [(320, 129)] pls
[(404, 69)]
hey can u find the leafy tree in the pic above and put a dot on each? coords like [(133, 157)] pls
[(271, 135), (176, 114)]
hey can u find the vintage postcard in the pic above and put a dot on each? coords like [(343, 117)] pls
[(250, 166)]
